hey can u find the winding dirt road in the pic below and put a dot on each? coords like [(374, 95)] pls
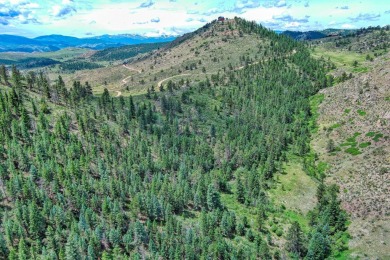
[(125, 80), (130, 68), (163, 80)]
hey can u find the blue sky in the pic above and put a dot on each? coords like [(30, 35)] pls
[(174, 17)]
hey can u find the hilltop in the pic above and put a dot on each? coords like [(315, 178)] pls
[(192, 56)]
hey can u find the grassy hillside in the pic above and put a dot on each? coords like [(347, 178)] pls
[(204, 169), (192, 56), (353, 52)]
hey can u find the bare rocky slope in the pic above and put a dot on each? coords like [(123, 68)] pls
[(355, 115)]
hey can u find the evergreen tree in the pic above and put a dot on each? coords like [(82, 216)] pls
[(16, 77), (3, 74), (22, 250), (71, 250), (240, 195), (330, 147), (213, 198), (319, 247), (296, 240)]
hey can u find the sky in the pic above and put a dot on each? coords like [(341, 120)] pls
[(174, 17)]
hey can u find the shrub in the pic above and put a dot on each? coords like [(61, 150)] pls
[(364, 145), (353, 151), (361, 112), (279, 232), (334, 126), (377, 137)]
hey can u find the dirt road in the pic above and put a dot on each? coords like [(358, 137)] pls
[(179, 75)]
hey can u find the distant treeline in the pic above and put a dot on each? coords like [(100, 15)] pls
[(79, 65), (126, 52), (29, 63)]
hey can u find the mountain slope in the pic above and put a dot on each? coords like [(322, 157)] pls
[(195, 55), (353, 134), (355, 116), (184, 173)]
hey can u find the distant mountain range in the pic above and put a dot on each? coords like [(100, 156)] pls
[(314, 35), (57, 42)]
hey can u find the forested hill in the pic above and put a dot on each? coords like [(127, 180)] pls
[(184, 173)]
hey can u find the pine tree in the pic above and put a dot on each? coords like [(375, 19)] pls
[(319, 247), (35, 220), (106, 256), (296, 240), (132, 111), (12, 255), (3, 247), (330, 147), (71, 250), (213, 198), (91, 255), (3, 74), (22, 250), (240, 195), (105, 98)]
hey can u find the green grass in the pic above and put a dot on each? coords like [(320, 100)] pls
[(360, 69), (347, 110), (377, 137), (345, 255), (387, 98), (230, 202), (341, 246), (353, 151), (334, 126), (343, 59), (315, 101), (352, 144), (294, 216), (361, 112), (364, 145), (351, 141), (293, 187), (322, 167)]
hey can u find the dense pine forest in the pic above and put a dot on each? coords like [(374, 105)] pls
[(101, 177)]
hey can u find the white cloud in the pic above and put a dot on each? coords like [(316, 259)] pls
[(347, 26), (63, 10)]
